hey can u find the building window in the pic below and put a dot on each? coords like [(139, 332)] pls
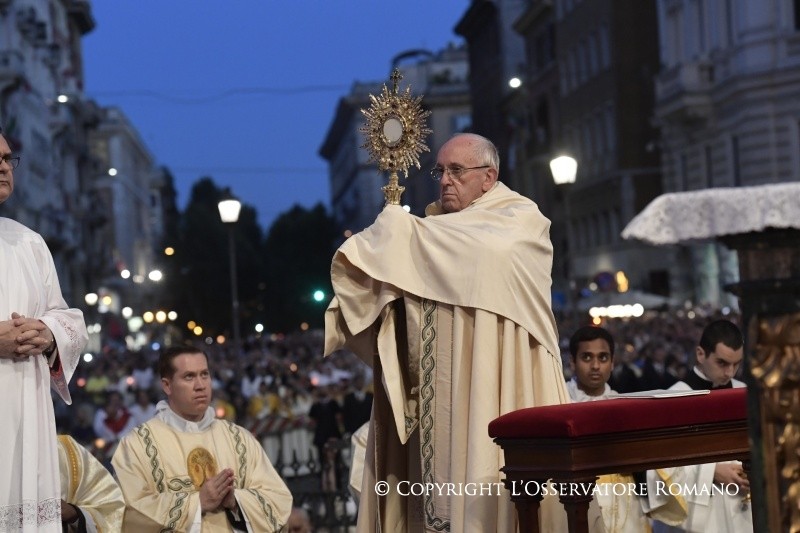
[(594, 65), (583, 63), (605, 218), (709, 166), (542, 124), (615, 223), (797, 14), (605, 47), (729, 19), (610, 129), (587, 140), (701, 27), (736, 171), (683, 173), (602, 142), (572, 70), (674, 37)]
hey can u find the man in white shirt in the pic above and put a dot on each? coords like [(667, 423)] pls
[(719, 354), (592, 359)]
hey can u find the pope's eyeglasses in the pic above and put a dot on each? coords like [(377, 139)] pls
[(454, 172)]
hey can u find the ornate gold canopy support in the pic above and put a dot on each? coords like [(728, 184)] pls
[(395, 132), (769, 265)]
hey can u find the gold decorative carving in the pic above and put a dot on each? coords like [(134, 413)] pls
[(395, 132), (776, 366), (201, 466)]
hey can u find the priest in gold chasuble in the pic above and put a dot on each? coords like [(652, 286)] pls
[(185, 470), (88, 487)]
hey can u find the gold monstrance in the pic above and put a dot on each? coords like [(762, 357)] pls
[(395, 132)]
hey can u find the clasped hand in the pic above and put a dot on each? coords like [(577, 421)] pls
[(217, 492), (23, 337), (731, 473)]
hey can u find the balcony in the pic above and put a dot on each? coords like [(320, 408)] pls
[(80, 11), (12, 66), (684, 91), (58, 230)]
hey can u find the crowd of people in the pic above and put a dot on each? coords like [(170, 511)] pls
[(282, 384), (278, 383), (286, 377)]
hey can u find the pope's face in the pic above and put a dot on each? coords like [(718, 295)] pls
[(6, 172), (457, 193), (189, 389)]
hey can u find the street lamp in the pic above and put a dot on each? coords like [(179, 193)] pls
[(564, 169), (229, 208)]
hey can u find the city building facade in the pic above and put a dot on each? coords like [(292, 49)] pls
[(43, 119), (96, 224), (607, 54), (586, 90), (727, 108)]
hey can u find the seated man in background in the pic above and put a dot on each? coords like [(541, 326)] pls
[(91, 499), (592, 359), (591, 351), (718, 356), (185, 470)]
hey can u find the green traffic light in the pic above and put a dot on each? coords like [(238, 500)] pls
[(319, 296)]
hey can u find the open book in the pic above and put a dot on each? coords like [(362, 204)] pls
[(661, 393)]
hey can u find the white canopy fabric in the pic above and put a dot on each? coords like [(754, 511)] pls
[(705, 214)]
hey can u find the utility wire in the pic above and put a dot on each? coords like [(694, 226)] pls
[(250, 170), (229, 93)]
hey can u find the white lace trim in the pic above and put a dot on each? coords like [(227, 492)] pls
[(697, 215), (13, 517)]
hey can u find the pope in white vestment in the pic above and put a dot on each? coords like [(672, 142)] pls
[(453, 313), (30, 498)]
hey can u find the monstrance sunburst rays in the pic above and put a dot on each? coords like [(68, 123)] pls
[(395, 132)]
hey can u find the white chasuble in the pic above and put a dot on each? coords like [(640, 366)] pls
[(30, 495)]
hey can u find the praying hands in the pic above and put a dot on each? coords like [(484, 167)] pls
[(23, 337)]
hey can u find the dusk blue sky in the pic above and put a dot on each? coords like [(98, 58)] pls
[(245, 90)]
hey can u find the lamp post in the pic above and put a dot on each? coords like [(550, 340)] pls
[(229, 208), (564, 169)]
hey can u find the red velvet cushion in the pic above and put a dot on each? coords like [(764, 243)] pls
[(620, 415)]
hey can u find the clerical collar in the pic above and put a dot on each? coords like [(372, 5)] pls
[(698, 381), (165, 413), (578, 395)]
